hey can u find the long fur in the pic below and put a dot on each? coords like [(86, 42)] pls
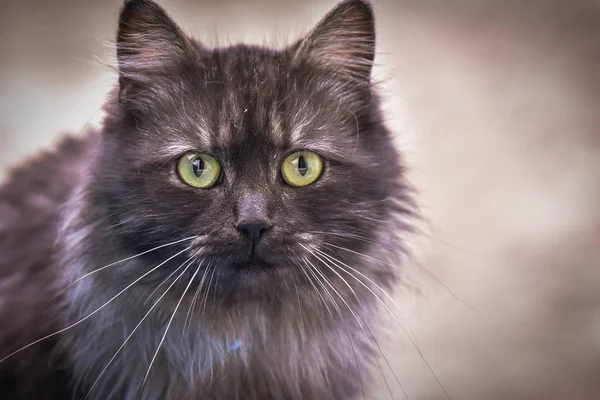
[(184, 321)]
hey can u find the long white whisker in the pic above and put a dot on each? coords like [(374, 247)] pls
[(168, 326), (316, 271), (98, 309), (411, 260), (212, 274), (328, 293), (357, 367), (395, 266), (334, 271), (164, 281), (362, 328), (212, 371), (194, 299), (342, 266), (130, 258), (315, 287), (339, 265), (371, 241), (340, 314), (347, 334), (139, 324), (216, 286), (299, 303)]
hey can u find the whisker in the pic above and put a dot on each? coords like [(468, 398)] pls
[(163, 282), (337, 263), (458, 248), (324, 278), (130, 258), (216, 283), (386, 361), (316, 290), (410, 259), (95, 311), (362, 387), (310, 280), (341, 265), (313, 271), (364, 332), (138, 325), (194, 299), (334, 271), (208, 289), (340, 314), (299, 302), (168, 326)]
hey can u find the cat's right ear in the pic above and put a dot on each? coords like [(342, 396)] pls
[(150, 45)]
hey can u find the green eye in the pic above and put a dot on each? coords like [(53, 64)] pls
[(301, 168), (199, 170)]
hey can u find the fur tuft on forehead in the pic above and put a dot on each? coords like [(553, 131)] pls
[(154, 55)]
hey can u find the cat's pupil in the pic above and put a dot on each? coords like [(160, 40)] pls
[(198, 167), (302, 167)]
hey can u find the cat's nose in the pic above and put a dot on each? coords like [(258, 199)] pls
[(254, 229), (253, 220)]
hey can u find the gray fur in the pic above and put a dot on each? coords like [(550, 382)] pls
[(288, 326)]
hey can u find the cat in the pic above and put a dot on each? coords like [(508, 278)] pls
[(228, 234)]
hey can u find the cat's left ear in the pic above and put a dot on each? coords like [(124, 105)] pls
[(344, 41), (149, 44)]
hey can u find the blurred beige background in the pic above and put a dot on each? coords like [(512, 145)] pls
[(497, 109)]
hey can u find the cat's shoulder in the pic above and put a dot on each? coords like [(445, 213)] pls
[(45, 177), (31, 198), (30, 201)]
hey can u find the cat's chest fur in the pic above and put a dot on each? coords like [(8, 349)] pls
[(250, 352)]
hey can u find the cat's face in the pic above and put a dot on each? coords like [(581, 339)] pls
[(245, 110)]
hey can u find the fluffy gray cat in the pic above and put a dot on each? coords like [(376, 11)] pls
[(228, 234)]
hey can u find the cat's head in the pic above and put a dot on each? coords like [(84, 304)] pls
[(277, 162)]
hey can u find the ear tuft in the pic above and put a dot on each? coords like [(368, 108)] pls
[(149, 43), (344, 41)]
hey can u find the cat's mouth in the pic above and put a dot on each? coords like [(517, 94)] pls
[(253, 262)]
